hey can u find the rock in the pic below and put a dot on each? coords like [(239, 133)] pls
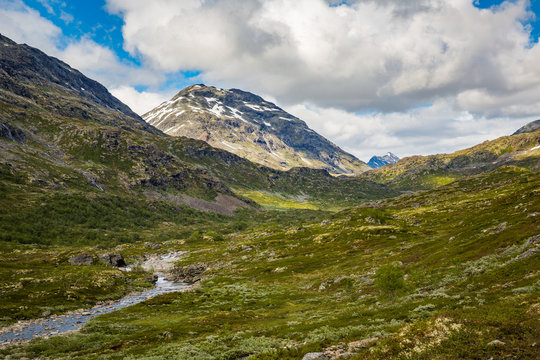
[(113, 259), (152, 245), (189, 273), (532, 251), (362, 343), (151, 279), (496, 342), (533, 240), (315, 356), (339, 351), (81, 259), (528, 253), (346, 355)]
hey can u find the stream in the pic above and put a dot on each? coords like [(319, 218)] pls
[(55, 325)]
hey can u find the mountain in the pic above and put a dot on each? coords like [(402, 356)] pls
[(426, 172), (378, 161), (63, 135), (450, 272), (247, 125), (533, 125), (28, 73)]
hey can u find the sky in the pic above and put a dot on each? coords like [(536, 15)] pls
[(410, 77)]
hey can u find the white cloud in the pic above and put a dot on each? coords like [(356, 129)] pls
[(426, 130), (102, 64), (386, 55), (140, 102), (24, 25)]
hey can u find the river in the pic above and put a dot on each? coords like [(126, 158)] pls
[(55, 325)]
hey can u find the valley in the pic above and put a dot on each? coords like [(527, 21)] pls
[(430, 257)]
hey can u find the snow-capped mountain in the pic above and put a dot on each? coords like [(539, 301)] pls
[(378, 161), (247, 125)]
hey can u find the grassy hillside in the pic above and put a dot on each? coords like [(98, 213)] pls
[(427, 172), (437, 274)]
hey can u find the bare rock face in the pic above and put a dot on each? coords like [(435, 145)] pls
[(116, 260), (533, 125), (188, 274), (81, 259)]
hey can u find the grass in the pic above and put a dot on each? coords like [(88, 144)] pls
[(277, 292), (286, 278), (274, 201), (39, 282)]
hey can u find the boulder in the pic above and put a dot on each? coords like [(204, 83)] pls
[(534, 247), (189, 273), (113, 259), (315, 356), (152, 279), (152, 245), (82, 259)]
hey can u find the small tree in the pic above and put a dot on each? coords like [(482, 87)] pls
[(389, 280)]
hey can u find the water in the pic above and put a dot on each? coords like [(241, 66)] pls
[(74, 321)]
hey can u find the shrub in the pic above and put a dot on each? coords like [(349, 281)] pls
[(215, 236), (389, 280)]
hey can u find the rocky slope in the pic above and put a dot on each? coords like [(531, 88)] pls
[(247, 125), (533, 125), (28, 73), (378, 161)]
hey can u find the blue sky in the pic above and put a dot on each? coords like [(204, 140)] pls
[(91, 19), (534, 7), (410, 77)]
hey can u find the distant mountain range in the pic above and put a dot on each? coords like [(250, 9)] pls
[(251, 127), (61, 132), (378, 161)]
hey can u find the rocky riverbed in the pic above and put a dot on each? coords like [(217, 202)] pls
[(73, 321)]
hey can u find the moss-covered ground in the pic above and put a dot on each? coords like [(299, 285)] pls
[(471, 276)]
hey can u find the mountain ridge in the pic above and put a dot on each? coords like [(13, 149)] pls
[(533, 125), (425, 172), (251, 127), (378, 161)]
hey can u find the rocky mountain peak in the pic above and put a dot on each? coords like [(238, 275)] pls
[(29, 65), (249, 126), (378, 161)]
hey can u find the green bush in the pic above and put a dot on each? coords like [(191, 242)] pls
[(215, 236), (389, 280), (195, 236)]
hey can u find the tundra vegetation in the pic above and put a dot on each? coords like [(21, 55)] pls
[(434, 257), (436, 274)]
